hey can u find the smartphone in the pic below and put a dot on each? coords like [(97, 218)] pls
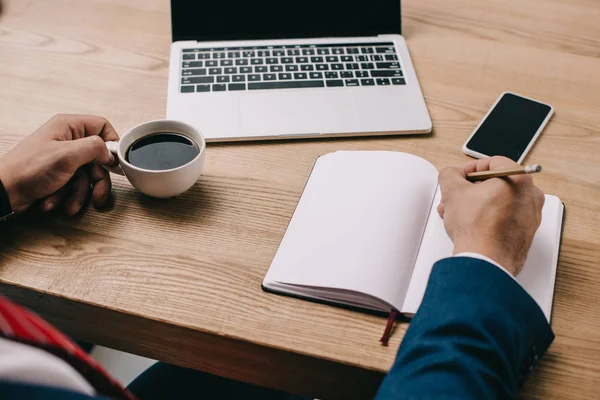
[(509, 129)]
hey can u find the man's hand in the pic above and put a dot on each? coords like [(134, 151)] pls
[(60, 163), (496, 218)]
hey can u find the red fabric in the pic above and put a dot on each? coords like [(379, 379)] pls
[(19, 325)]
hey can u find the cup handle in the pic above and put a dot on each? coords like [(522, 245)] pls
[(113, 147)]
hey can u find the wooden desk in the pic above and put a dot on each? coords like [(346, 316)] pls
[(179, 280)]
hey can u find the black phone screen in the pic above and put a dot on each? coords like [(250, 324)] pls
[(509, 127)]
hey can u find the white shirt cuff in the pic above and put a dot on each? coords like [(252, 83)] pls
[(484, 258)]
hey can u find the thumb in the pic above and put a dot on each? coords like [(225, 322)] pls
[(90, 148), (450, 179)]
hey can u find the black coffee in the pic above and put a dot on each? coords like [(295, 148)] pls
[(161, 151)]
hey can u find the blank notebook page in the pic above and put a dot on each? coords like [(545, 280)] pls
[(358, 225), (537, 276)]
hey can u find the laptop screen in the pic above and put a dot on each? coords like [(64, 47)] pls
[(215, 20)]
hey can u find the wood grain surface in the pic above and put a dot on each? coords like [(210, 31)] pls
[(179, 280)]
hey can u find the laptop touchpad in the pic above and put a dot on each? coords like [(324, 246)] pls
[(296, 112)]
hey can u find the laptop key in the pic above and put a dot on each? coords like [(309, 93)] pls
[(261, 68), (386, 65), (322, 51), (223, 78), (187, 89), (337, 67), (351, 82), (285, 85), (347, 58), (256, 61), (197, 79), (278, 53), (219, 88), (386, 72), (367, 82), (254, 77), (285, 76), (189, 56), (308, 52), (322, 67), (248, 54), (362, 58), (366, 50), (330, 75), (385, 50), (346, 74), (376, 57), (219, 55), (391, 57), (316, 75), (335, 83), (191, 64), (203, 56), (383, 81), (337, 50), (272, 60), (352, 66), (287, 60), (215, 71), (361, 74), (231, 70), (306, 67), (352, 50), (212, 63), (269, 77), (293, 52), (233, 54), (245, 70), (291, 67), (236, 86), (398, 81), (241, 61), (301, 60), (300, 75), (276, 68), (332, 59), (316, 59), (263, 53), (226, 63), (367, 66), (239, 78), (193, 71), (202, 88)]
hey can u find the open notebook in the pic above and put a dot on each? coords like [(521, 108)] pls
[(366, 234)]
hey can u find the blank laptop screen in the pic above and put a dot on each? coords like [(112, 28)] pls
[(213, 20)]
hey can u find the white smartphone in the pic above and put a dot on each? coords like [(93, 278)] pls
[(509, 129)]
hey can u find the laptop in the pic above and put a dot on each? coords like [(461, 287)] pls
[(266, 69)]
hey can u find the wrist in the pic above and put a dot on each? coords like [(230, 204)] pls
[(10, 184), (493, 252)]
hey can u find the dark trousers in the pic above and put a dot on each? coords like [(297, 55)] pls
[(163, 381)]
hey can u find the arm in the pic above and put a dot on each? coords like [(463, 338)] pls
[(476, 336), (477, 333)]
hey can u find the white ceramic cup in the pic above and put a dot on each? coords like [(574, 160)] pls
[(160, 183)]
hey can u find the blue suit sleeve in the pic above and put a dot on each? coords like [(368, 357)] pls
[(476, 335)]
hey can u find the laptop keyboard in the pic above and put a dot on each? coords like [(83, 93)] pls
[(290, 67)]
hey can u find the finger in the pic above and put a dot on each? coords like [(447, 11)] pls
[(450, 179), (101, 185), (52, 201), (81, 126), (80, 186), (86, 150), (477, 165), (440, 209), (499, 162)]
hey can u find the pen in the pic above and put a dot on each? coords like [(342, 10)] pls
[(499, 173)]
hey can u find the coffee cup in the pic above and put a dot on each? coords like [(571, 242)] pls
[(153, 180)]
